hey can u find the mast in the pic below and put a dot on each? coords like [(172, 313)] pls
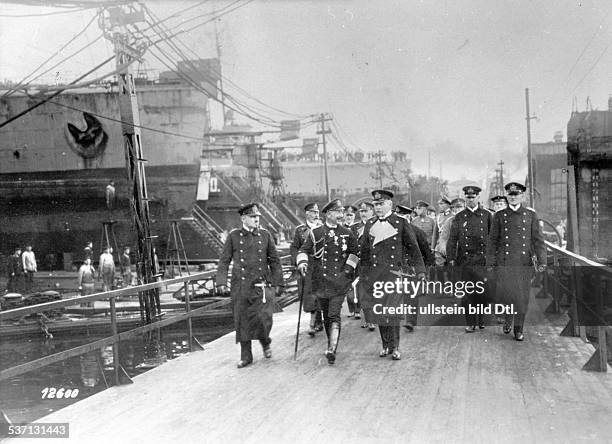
[(115, 27)]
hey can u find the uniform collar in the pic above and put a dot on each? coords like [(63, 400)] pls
[(514, 208), (473, 210), (312, 224), (252, 231)]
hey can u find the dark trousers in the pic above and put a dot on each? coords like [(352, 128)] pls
[(390, 335), (331, 311), (411, 319), (246, 354), (29, 280), (473, 273)]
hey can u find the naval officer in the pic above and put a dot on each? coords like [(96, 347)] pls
[(310, 302), (466, 249), (515, 236), (333, 251), (256, 278), (388, 251)]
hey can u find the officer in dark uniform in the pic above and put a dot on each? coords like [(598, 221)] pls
[(428, 259), (499, 203), (333, 251), (388, 251), (257, 278), (352, 301), (466, 249), (366, 212), (515, 237), (310, 303)]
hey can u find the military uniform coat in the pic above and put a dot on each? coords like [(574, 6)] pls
[(333, 266), (255, 260), (467, 241), (426, 224), (515, 237), (388, 250), (309, 302)]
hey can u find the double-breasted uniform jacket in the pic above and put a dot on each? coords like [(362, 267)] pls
[(309, 301), (388, 250), (254, 261), (469, 233), (426, 224), (515, 237), (333, 252)]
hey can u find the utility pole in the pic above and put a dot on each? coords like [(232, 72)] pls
[(529, 164), (324, 131), (501, 177), (218, 47), (115, 29)]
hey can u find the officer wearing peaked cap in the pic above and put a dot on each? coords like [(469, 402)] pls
[(310, 302), (424, 222), (389, 251), (499, 203), (333, 250), (466, 249), (515, 237), (256, 278)]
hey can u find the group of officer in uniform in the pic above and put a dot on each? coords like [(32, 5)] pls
[(340, 259)]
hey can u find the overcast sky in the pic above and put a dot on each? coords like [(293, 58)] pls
[(446, 76)]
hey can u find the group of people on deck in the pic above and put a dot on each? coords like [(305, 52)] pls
[(339, 259)]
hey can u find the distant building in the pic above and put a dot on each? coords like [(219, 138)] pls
[(550, 178)]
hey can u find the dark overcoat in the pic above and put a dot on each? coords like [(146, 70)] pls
[(309, 301), (388, 250), (254, 260), (467, 242), (333, 267), (514, 239)]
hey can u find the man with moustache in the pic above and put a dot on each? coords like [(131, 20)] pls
[(257, 277), (309, 301), (389, 251), (515, 236), (333, 252), (466, 249)]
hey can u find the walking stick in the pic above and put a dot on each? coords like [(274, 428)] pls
[(301, 296)]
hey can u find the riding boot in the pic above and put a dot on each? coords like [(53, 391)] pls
[(332, 342)]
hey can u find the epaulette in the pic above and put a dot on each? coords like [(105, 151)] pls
[(530, 209), (300, 225), (234, 230)]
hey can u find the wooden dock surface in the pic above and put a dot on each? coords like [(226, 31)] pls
[(449, 387)]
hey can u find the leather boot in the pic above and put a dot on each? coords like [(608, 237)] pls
[(313, 320), (332, 342)]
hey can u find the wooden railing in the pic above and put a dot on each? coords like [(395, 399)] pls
[(119, 373), (565, 280)]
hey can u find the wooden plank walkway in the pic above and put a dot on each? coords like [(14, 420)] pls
[(448, 387)]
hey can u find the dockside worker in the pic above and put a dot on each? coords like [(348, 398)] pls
[(256, 279), (515, 236), (466, 250), (333, 250), (29, 267), (388, 251), (107, 269), (310, 303)]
